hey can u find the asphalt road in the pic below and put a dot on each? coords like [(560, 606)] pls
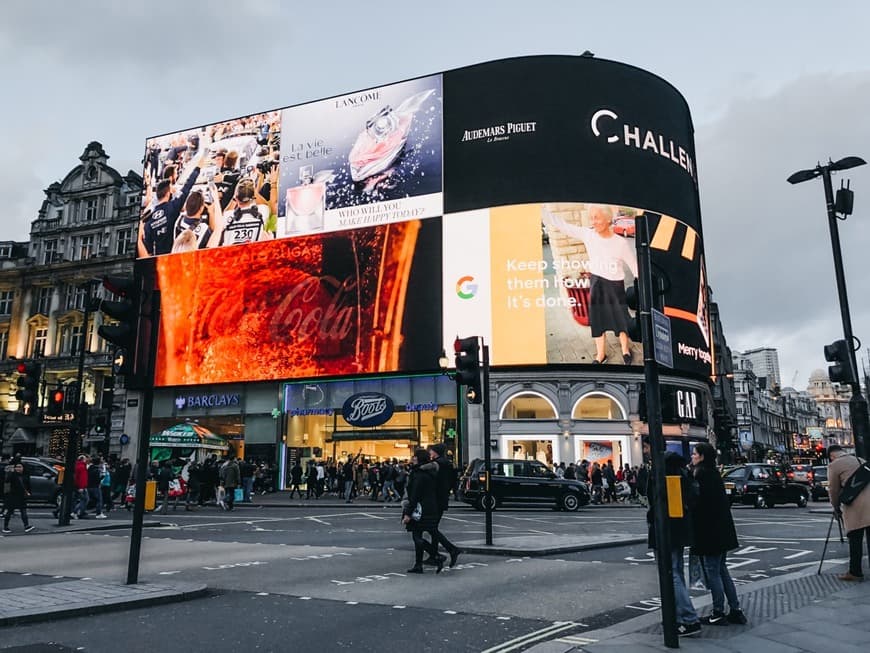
[(338, 575)]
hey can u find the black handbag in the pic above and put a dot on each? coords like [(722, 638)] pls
[(859, 479)]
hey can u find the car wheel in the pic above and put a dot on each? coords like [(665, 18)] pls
[(570, 501), (761, 502), (802, 501)]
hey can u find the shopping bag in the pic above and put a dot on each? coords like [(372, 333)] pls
[(239, 495)]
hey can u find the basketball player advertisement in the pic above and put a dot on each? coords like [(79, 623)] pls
[(211, 186), (352, 302), (362, 159)]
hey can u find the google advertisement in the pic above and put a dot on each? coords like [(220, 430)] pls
[(552, 288)]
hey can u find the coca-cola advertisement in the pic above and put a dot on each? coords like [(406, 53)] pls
[(351, 302)]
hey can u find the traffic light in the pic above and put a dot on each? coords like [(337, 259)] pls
[(838, 352), (467, 352), (124, 334), (56, 402), (28, 385), (632, 298), (100, 425)]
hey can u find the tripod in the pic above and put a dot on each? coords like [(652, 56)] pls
[(835, 515)]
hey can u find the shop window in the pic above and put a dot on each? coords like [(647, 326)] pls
[(528, 405), (598, 405)]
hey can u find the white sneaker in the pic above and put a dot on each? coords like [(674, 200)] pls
[(100, 516)]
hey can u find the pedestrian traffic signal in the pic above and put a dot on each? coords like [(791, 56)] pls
[(838, 352), (124, 333), (632, 298), (100, 424), (28, 385), (56, 402), (467, 352)]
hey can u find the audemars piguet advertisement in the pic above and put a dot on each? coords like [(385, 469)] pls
[(363, 159)]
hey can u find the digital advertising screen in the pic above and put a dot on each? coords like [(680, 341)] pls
[(362, 233)]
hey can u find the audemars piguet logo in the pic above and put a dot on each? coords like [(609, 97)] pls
[(500, 132), (606, 124)]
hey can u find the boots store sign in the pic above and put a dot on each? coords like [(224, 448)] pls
[(367, 409)]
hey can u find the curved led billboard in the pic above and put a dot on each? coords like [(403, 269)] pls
[(360, 234)]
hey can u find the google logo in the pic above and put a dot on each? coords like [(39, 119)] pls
[(466, 288)]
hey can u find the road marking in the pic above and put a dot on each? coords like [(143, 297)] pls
[(398, 607), (169, 573), (534, 636), (304, 598), (368, 514), (576, 640), (319, 521), (262, 593), (753, 549), (450, 612), (351, 602), (801, 552), (798, 565)]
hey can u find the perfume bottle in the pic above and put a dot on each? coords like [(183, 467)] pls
[(384, 137), (305, 203)]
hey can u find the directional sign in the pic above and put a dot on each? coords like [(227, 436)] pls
[(663, 350)]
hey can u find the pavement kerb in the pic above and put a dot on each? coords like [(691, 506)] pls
[(643, 621), (187, 592), (496, 550)]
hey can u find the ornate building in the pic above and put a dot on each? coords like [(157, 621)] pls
[(85, 229)]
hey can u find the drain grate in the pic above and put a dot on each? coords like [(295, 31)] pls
[(766, 604)]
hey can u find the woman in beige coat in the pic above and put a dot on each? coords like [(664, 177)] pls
[(856, 516)]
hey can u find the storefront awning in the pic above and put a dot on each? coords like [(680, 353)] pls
[(192, 436)]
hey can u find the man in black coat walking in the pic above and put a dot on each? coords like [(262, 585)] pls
[(15, 497), (445, 483)]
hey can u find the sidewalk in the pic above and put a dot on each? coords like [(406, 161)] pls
[(45, 601), (792, 613)]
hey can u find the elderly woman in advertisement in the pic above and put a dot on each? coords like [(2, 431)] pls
[(609, 255)]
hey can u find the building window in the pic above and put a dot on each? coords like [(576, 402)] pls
[(103, 205), (40, 337), (50, 253), (528, 405), (86, 247), (4, 344), (43, 300), (597, 405), (76, 297), (5, 251), (6, 297), (71, 339), (90, 210), (125, 242)]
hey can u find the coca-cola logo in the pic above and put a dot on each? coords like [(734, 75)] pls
[(367, 409), (318, 308)]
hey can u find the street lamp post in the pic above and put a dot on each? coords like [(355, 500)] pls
[(857, 404)]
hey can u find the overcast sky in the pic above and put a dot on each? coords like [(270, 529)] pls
[(773, 87)]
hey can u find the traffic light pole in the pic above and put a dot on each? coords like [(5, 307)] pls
[(857, 404), (487, 448), (657, 442), (77, 427), (153, 319)]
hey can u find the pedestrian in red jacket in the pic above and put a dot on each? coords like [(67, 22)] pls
[(81, 483)]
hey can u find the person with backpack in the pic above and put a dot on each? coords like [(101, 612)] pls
[(296, 479), (681, 535), (856, 514), (714, 535)]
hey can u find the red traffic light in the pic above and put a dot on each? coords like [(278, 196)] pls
[(57, 396), (22, 368)]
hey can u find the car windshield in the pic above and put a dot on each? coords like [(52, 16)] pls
[(821, 473)]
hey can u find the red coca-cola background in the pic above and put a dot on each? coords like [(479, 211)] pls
[(353, 302)]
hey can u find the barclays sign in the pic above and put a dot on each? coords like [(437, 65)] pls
[(367, 409)]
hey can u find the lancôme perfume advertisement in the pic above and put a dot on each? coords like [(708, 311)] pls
[(362, 159)]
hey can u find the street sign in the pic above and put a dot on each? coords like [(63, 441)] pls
[(663, 350)]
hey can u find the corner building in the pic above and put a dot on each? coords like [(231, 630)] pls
[(497, 200)]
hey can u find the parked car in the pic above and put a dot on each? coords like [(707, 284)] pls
[(43, 473), (819, 487), (763, 486), (521, 481)]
